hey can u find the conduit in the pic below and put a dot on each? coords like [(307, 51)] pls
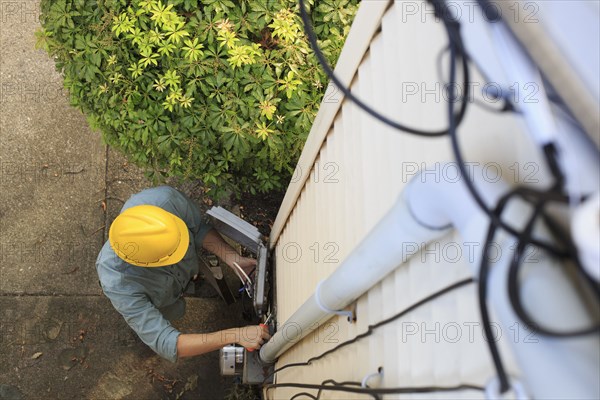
[(428, 208)]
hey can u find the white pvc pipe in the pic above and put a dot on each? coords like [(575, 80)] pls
[(553, 368), (375, 257), (428, 207)]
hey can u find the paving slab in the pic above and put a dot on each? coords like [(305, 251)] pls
[(78, 347), (123, 179), (52, 170)]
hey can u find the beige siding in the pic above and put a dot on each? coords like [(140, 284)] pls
[(356, 169)]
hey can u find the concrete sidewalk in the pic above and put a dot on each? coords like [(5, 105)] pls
[(59, 190)]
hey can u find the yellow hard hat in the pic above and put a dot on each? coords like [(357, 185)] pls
[(148, 236)]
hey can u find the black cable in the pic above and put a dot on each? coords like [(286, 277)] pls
[(312, 39), (507, 105), (559, 232), (457, 52), (524, 238), (325, 382), (300, 394), (455, 42), (539, 200), (452, 28), (377, 391), (345, 383), (455, 47), (482, 296), (515, 294), (371, 328)]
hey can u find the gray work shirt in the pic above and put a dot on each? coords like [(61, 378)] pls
[(139, 292)]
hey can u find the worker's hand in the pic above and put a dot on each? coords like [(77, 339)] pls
[(253, 337)]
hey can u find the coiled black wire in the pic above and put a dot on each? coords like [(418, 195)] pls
[(524, 238), (335, 383), (458, 53), (507, 106), (375, 391), (513, 282), (539, 201), (483, 284), (312, 38)]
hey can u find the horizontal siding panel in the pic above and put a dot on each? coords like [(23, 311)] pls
[(360, 167)]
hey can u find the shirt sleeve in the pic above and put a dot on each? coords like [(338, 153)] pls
[(147, 321)]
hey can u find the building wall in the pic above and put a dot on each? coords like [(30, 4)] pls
[(352, 170)]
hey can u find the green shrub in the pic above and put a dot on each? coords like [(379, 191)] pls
[(219, 90)]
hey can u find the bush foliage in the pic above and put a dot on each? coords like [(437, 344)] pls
[(219, 90)]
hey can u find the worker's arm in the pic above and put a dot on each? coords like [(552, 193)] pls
[(214, 243), (250, 337)]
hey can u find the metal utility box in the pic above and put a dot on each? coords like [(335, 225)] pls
[(235, 360), (240, 231), (254, 371)]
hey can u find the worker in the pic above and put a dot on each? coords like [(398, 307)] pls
[(149, 260)]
